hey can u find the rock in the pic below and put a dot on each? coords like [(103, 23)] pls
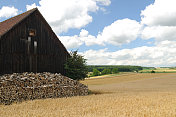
[(17, 87)]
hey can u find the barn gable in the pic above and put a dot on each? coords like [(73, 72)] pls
[(28, 44), (8, 24)]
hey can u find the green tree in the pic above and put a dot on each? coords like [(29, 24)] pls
[(115, 71), (96, 72), (76, 67), (106, 71)]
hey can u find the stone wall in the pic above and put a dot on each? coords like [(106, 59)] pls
[(18, 87)]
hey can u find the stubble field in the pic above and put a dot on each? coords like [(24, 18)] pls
[(126, 95)]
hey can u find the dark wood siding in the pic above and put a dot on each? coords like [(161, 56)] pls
[(17, 55)]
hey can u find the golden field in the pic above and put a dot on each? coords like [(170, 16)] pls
[(160, 70), (126, 95)]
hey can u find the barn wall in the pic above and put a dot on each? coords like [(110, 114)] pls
[(15, 56)]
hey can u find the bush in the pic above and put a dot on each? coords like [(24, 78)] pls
[(106, 71), (152, 71), (115, 71), (96, 72), (76, 67)]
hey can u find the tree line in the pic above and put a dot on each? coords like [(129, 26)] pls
[(96, 72), (121, 68)]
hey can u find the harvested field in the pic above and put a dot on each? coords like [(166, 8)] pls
[(159, 70), (130, 95)]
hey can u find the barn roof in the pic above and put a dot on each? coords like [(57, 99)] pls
[(8, 24)]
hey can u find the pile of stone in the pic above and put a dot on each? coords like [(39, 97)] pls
[(17, 87)]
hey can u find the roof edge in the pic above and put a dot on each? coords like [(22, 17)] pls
[(31, 11)]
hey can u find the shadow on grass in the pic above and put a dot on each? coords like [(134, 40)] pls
[(93, 92)]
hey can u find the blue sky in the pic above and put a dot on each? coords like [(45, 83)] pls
[(109, 32)]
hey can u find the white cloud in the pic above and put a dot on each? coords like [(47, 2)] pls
[(63, 15), (71, 42), (161, 55), (76, 41), (160, 33), (28, 7), (7, 11), (89, 39), (159, 19), (84, 33), (158, 22), (162, 12), (104, 2), (120, 32)]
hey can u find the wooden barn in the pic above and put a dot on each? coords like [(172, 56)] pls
[(28, 44)]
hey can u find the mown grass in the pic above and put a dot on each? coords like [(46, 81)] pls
[(132, 95)]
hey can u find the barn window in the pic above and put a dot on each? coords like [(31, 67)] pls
[(32, 32)]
